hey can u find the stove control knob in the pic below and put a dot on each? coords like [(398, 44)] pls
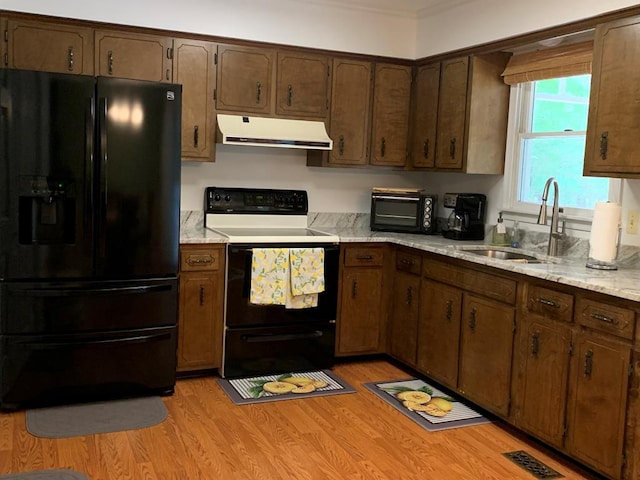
[(217, 197), (227, 198)]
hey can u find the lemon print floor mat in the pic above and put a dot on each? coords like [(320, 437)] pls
[(425, 404), (269, 388)]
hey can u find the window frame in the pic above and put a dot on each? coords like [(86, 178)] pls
[(520, 105)]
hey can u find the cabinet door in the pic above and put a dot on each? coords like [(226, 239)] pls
[(452, 110), (49, 47), (439, 331), (404, 317), (245, 79), (360, 320), (389, 132), (302, 89), (350, 112), (544, 348), (613, 110), (597, 403), (135, 56), (425, 116), (195, 70), (486, 348)]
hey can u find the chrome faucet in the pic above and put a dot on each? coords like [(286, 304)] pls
[(554, 234)]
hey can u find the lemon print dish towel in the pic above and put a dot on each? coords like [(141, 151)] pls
[(290, 277)]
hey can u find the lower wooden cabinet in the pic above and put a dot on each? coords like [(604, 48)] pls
[(361, 316), (200, 322)]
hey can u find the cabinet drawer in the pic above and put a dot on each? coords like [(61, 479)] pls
[(550, 303), (196, 259), (489, 285), (605, 317), (360, 256), (408, 262)]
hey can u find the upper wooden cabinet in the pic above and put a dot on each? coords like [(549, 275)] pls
[(135, 56), (472, 105), (614, 114), (245, 79), (195, 69), (390, 122), (350, 112), (48, 47), (302, 87), (424, 116)]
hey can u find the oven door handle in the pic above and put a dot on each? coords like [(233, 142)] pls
[(266, 337)]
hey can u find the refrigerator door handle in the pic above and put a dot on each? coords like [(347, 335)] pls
[(71, 292), (105, 342), (89, 172), (104, 163)]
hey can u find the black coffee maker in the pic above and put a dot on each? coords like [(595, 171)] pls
[(466, 221)]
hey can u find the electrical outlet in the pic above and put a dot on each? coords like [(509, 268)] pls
[(633, 217)]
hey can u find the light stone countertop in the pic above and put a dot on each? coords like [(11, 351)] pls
[(622, 283)]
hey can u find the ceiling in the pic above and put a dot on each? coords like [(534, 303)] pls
[(413, 8)]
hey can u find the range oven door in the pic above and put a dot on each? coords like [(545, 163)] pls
[(271, 339)]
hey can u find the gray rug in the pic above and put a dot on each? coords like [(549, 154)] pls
[(46, 475), (293, 385), (97, 417), (425, 404)]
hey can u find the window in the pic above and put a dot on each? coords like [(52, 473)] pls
[(547, 129)]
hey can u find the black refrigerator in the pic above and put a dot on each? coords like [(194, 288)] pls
[(89, 237)]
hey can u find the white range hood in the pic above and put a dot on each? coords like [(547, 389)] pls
[(272, 132)]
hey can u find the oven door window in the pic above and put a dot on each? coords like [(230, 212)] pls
[(396, 212)]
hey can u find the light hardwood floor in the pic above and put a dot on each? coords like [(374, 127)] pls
[(351, 436)]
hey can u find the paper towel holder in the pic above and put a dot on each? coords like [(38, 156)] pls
[(604, 265)]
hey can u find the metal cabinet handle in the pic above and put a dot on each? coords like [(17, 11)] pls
[(406, 261), (195, 136), (588, 363), (472, 320), (258, 91), (383, 147), (341, 145), (168, 74), (201, 294), (70, 56), (354, 289), (364, 257), (110, 62), (449, 310), (425, 148), (409, 296), (547, 302), (604, 145), (605, 318), (535, 344), (199, 260), (452, 148), (289, 95)]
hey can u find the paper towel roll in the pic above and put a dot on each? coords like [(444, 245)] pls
[(603, 243)]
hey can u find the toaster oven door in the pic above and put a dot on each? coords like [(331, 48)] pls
[(396, 213)]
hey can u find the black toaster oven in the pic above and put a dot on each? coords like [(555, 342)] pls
[(408, 212)]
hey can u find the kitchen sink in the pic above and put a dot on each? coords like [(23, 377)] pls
[(503, 254)]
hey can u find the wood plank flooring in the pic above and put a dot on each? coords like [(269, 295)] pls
[(351, 436)]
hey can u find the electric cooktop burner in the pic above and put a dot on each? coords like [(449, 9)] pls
[(250, 215)]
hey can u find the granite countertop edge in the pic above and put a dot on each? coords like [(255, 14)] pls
[(622, 283)]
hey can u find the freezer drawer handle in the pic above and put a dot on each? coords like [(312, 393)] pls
[(83, 342), (280, 337), (62, 292)]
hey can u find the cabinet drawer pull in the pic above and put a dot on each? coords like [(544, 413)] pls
[(258, 91), (383, 147), (452, 148), (449, 310), (472, 320), (289, 95), (425, 148), (341, 145), (364, 257), (201, 294), (354, 289), (535, 344), (195, 136), (406, 261), (199, 261), (70, 59), (547, 302), (605, 318), (110, 62), (604, 145), (588, 363), (409, 295)]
